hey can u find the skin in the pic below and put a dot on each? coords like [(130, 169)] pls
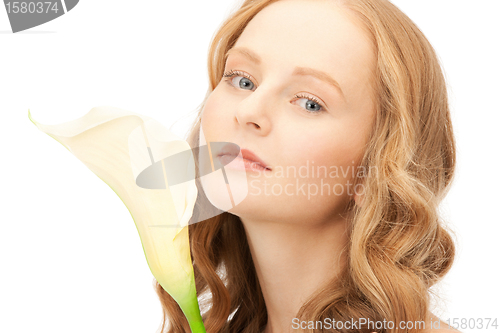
[(296, 241)]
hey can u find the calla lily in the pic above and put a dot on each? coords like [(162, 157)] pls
[(118, 146)]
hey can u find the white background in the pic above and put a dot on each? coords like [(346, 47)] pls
[(71, 258)]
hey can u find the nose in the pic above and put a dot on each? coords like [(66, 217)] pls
[(253, 112)]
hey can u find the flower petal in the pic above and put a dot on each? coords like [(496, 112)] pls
[(118, 145)]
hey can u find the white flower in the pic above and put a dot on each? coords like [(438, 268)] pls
[(127, 150)]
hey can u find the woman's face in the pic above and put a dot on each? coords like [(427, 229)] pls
[(298, 93)]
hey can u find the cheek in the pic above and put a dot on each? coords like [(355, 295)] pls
[(215, 114), (333, 147), (209, 116), (325, 164)]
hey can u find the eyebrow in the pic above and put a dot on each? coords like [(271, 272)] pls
[(297, 71)]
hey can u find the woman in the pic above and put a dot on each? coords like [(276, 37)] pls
[(353, 92)]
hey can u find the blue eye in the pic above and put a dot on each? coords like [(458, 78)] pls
[(246, 81), (311, 101)]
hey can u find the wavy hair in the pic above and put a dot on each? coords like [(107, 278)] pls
[(398, 246)]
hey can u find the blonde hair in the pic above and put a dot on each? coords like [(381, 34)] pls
[(398, 246)]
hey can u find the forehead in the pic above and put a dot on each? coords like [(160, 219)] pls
[(311, 33)]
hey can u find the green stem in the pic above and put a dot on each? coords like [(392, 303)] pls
[(197, 326), (193, 315)]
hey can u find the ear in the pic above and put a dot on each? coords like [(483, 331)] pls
[(358, 199)]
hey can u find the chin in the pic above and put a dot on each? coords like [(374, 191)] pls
[(261, 208), (222, 195)]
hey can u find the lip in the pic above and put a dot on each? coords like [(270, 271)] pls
[(233, 150)]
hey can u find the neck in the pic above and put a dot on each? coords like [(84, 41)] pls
[(292, 261)]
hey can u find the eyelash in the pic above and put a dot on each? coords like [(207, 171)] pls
[(232, 73)]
